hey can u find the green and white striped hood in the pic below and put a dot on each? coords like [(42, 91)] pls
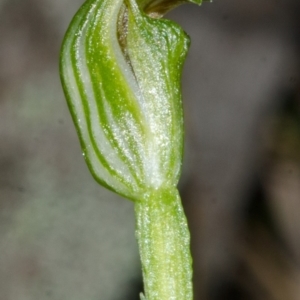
[(120, 68)]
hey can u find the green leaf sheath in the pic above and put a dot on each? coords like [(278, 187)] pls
[(120, 69)]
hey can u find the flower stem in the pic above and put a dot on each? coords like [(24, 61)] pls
[(164, 244)]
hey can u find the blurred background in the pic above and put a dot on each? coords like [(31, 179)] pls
[(64, 237)]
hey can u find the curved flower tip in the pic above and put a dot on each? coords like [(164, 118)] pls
[(120, 71), (157, 8)]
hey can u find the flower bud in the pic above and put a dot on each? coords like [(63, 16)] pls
[(120, 70)]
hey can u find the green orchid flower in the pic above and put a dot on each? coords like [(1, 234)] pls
[(120, 69)]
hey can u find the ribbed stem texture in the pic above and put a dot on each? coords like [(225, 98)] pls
[(164, 244)]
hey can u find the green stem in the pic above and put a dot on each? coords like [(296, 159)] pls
[(164, 244)]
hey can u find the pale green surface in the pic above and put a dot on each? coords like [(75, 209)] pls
[(164, 242), (127, 109), (121, 73)]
